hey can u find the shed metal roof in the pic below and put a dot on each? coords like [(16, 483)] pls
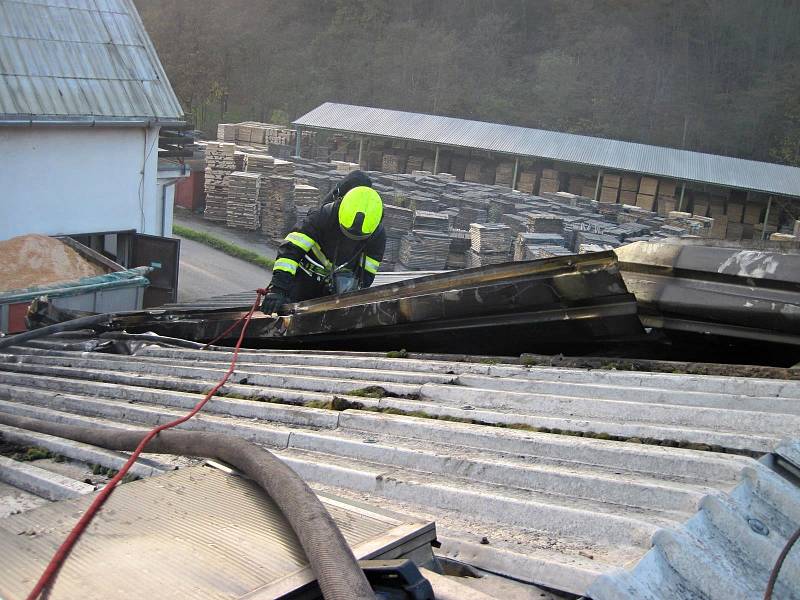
[(80, 60), (578, 149)]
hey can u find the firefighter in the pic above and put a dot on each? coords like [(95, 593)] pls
[(338, 248)]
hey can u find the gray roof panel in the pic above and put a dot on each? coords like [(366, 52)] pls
[(565, 147), (78, 60)]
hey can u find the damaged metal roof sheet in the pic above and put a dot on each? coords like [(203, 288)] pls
[(75, 60), (519, 455), (568, 301), (731, 292), (727, 550), (577, 149)]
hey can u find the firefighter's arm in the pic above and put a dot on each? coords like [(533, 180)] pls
[(299, 242), (373, 255)]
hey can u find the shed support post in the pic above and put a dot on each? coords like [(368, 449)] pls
[(766, 220), (298, 135), (360, 150), (683, 191), (597, 186), (436, 162), (516, 171)]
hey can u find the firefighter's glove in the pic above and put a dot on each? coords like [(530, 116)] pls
[(273, 301)]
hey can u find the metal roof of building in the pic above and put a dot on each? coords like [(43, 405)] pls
[(80, 60), (566, 147), (557, 510)]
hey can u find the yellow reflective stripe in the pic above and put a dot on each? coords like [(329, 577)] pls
[(301, 240), (286, 264), (320, 256), (371, 265)]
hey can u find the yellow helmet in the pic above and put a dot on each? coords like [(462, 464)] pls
[(360, 212)]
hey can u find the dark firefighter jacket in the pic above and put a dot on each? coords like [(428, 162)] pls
[(320, 240)]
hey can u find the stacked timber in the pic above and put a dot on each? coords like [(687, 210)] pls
[(397, 220), (344, 166), (490, 237), (468, 214), (219, 165), (226, 132), (279, 216), (243, 208), (609, 193), (263, 165), (545, 223), (576, 184), (666, 202), (646, 197), (414, 163), (550, 182), (490, 244), (431, 221), (628, 189), (306, 199), (473, 170), (504, 174), (459, 246), (424, 250), (393, 163)]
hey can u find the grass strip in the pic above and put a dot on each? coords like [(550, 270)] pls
[(223, 246)]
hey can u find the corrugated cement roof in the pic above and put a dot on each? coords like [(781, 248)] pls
[(80, 60), (557, 510), (579, 149)]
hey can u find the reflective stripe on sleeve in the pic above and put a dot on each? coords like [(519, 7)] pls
[(301, 240), (286, 264), (371, 265)]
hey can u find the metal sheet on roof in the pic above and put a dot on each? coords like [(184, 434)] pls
[(578, 149), (78, 60)]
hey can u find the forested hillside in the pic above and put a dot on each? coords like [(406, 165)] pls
[(720, 76)]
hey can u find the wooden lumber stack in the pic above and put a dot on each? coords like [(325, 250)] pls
[(646, 197), (526, 182), (243, 208), (700, 205), (393, 163), (344, 166), (414, 163), (459, 246), (489, 238), (424, 250), (666, 197), (431, 221), (397, 221), (264, 166), (472, 173), (609, 193), (484, 259), (306, 199), (470, 214), (545, 223), (628, 188), (550, 182), (279, 216), (576, 184), (504, 174), (219, 165), (227, 132)]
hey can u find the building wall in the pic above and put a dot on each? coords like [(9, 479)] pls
[(63, 180)]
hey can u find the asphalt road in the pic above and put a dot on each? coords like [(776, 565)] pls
[(205, 272)]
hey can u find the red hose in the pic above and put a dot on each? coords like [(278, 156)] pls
[(50, 573)]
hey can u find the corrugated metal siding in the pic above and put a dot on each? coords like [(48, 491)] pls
[(74, 59), (579, 149)]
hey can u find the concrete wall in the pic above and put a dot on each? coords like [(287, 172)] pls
[(63, 180)]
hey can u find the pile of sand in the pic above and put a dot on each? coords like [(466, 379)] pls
[(29, 260)]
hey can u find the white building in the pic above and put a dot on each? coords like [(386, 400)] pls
[(83, 96)]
